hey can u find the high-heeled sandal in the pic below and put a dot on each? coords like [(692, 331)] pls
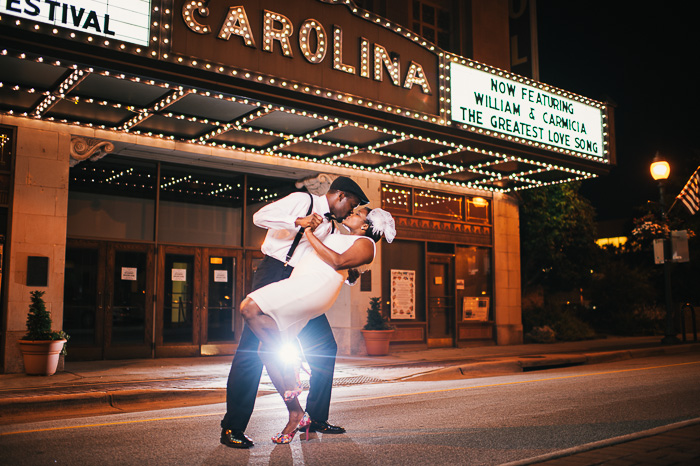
[(283, 439), (303, 426)]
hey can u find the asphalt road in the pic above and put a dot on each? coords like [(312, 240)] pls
[(492, 420)]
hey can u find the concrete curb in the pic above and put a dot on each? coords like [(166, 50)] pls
[(473, 370), (608, 356), (111, 401), (506, 366), (117, 399), (43, 403), (540, 362), (132, 398), (554, 360)]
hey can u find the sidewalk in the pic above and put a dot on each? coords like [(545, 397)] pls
[(115, 386)]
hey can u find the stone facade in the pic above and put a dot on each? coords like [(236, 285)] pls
[(506, 249), (38, 227)]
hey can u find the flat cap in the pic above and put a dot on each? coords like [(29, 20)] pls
[(346, 185)]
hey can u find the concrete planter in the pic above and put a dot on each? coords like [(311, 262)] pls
[(377, 341), (40, 356)]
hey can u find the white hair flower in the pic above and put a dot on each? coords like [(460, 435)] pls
[(382, 222)]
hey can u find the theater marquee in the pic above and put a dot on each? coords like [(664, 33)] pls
[(488, 100), (332, 51), (332, 55), (125, 20)]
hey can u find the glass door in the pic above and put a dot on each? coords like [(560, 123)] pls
[(129, 301), (83, 299), (222, 278), (441, 308), (108, 300), (178, 309)]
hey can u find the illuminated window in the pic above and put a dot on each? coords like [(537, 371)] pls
[(115, 176), (396, 199), (429, 203), (200, 186), (615, 242), (6, 147), (478, 210)]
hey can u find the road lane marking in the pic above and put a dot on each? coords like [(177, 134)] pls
[(398, 395)]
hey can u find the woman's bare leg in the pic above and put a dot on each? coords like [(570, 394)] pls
[(277, 371), (282, 375)]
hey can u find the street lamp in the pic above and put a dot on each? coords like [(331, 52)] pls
[(660, 170)]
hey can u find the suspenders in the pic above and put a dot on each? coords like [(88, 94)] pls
[(297, 238), (300, 233)]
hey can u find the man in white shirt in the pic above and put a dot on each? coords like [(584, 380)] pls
[(283, 248)]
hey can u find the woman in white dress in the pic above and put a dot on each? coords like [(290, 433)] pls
[(278, 311)]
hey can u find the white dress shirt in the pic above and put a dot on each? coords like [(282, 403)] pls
[(279, 217)]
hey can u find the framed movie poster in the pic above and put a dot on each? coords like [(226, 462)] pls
[(403, 294)]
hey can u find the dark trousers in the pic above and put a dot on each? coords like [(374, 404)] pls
[(319, 347)]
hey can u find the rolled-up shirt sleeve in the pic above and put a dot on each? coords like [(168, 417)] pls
[(279, 217), (281, 214)]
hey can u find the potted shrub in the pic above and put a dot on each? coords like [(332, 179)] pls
[(41, 346), (377, 332)]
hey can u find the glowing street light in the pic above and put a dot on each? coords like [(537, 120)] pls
[(660, 171)]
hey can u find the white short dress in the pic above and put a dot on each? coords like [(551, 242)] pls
[(310, 290)]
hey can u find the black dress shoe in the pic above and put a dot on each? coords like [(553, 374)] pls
[(235, 439), (325, 428)]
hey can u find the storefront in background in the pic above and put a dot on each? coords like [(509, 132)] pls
[(139, 139), (439, 285)]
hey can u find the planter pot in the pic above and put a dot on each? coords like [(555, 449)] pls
[(40, 356), (377, 341)]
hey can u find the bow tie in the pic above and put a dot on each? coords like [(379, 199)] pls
[(330, 216)]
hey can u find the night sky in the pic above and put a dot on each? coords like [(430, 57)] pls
[(639, 58)]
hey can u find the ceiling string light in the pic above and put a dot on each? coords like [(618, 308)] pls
[(386, 146)]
